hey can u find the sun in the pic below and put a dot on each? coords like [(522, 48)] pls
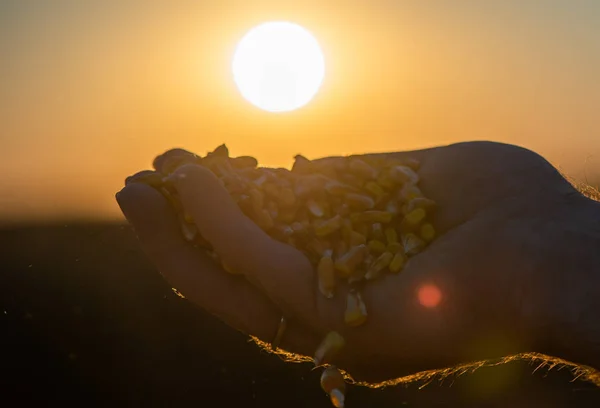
[(278, 66)]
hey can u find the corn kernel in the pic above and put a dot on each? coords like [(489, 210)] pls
[(375, 189), (347, 263), (372, 216), (340, 248), (408, 192), (318, 247), (377, 232), (329, 226), (243, 162), (273, 209), (356, 311), (332, 382), (287, 197), (403, 175), (302, 165), (356, 238), (385, 181), (264, 220), (395, 247), (412, 244), (361, 228), (332, 344), (414, 218), (257, 199), (326, 274), (419, 202), (392, 207), (359, 202), (397, 263), (379, 265), (152, 178), (376, 246), (315, 208), (391, 235), (427, 232), (361, 169), (338, 189)]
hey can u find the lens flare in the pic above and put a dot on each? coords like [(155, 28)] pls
[(429, 295)]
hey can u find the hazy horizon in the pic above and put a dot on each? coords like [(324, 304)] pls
[(92, 92)]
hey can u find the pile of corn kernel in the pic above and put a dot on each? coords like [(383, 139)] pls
[(355, 218)]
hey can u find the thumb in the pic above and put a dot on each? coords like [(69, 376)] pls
[(281, 270)]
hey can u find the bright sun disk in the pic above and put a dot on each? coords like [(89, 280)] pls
[(278, 66)]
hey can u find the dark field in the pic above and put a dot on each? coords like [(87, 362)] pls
[(86, 321)]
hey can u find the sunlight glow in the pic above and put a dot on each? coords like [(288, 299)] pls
[(278, 66)]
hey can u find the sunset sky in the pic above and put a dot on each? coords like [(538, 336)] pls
[(91, 91)]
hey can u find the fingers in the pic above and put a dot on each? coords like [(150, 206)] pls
[(282, 271), (198, 277)]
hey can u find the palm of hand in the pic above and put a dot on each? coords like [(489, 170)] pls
[(495, 205)]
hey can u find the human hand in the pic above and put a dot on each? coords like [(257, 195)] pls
[(511, 265)]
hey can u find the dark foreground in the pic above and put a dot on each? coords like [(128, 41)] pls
[(86, 321)]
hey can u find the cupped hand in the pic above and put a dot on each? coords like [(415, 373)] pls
[(494, 282)]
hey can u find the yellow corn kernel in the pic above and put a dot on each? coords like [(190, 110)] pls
[(271, 190), (315, 208), (414, 218), (408, 192), (379, 265), (372, 216), (427, 232), (375, 189), (385, 181), (419, 202), (287, 215), (287, 198), (403, 175), (332, 382), (412, 244), (361, 228), (356, 238), (326, 274), (242, 162), (346, 229), (397, 263), (332, 344), (263, 219), (362, 169), (376, 246), (318, 247), (391, 235), (273, 209), (257, 199), (338, 189), (377, 232), (359, 202), (392, 207), (356, 311), (329, 226), (395, 247), (347, 263), (152, 178)]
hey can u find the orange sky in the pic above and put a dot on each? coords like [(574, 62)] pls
[(90, 93)]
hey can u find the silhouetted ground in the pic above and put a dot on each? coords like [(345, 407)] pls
[(86, 321)]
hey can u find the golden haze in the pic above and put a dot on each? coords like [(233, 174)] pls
[(91, 93)]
